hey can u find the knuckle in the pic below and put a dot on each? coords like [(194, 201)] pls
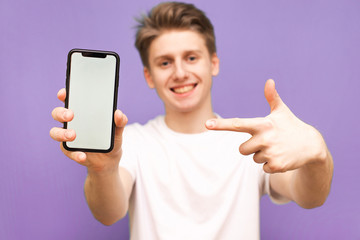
[(268, 140), (59, 134), (276, 167), (57, 114), (264, 140), (268, 124), (60, 115), (51, 133), (236, 122), (54, 113), (54, 134)]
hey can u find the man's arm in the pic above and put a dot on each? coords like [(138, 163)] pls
[(107, 186), (293, 151), (107, 194)]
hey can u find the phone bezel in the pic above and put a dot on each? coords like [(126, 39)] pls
[(93, 53)]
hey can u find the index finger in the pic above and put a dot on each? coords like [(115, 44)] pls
[(248, 125)]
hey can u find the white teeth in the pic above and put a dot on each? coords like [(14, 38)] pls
[(184, 89)]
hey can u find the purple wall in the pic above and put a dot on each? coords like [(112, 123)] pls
[(311, 49)]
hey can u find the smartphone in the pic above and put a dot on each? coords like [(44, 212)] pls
[(92, 80)]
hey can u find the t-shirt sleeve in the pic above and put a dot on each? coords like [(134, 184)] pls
[(275, 198), (129, 154)]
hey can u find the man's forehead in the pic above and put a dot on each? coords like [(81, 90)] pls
[(177, 42)]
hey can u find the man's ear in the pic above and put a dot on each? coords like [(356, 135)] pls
[(215, 65), (148, 78)]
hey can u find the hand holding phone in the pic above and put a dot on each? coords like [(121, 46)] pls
[(92, 160)]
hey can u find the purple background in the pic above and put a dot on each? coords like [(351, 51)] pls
[(311, 49)]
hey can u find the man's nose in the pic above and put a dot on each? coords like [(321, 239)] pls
[(180, 72)]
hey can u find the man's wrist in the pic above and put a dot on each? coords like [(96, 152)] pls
[(103, 171)]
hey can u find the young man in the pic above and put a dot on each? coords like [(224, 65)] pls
[(177, 177)]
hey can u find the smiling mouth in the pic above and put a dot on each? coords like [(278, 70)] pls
[(183, 89)]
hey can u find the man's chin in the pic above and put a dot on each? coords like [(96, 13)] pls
[(185, 109)]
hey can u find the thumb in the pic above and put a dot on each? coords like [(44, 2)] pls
[(120, 122), (271, 95)]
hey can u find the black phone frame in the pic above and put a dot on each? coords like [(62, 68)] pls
[(101, 54)]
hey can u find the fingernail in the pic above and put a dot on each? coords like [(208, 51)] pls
[(210, 123), (68, 134)]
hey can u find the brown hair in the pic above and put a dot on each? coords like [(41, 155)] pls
[(172, 15)]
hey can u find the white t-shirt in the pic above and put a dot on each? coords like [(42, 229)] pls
[(191, 186)]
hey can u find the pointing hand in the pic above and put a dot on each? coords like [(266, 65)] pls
[(280, 141)]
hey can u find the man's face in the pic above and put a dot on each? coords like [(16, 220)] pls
[(181, 70)]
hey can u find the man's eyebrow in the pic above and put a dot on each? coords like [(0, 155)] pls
[(168, 56), (165, 56), (193, 51)]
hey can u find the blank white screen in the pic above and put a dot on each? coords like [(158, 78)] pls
[(91, 96)]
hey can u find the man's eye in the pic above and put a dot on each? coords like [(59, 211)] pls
[(192, 58), (165, 63)]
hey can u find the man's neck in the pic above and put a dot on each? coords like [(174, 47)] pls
[(189, 122)]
